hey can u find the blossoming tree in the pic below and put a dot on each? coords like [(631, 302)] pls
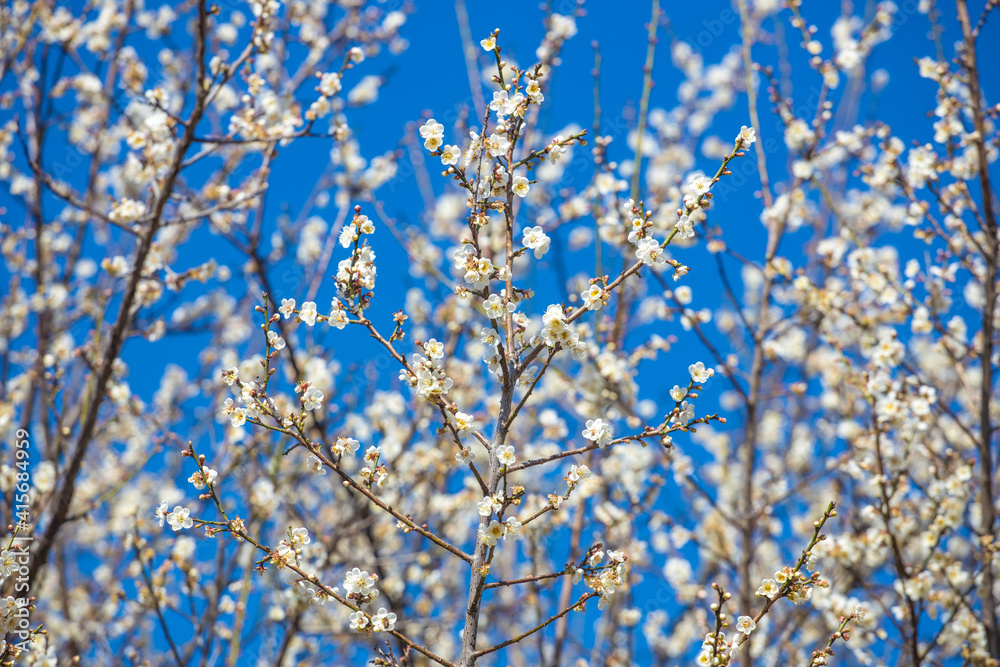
[(688, 389)]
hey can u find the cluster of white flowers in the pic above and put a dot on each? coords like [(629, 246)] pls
[(374, 472), (330, 83), (9, 614), (381, 621), (358, 270), (880, 383), (359, 587), (491, 356), (496, 530), (309, 314), (117, 266), (799, 591), (289, 552), (504, 104), (153, 135), (490, 504), (127, 210), (476, 271), (606, 580), (432, 133), (274, 116), (427, 376), (557, 332), (344, 446), (350, 234)]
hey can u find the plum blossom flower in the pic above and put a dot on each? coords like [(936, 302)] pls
[(492, 533), (450, 154), (8, 563), (747, 136), (360, 585), (598, 431), (434, 349), (464, 423), (329, 84), (348, 235), (699, 184), (537, 240), (127, 210), (534, 91), (769, 588), (504, 105), (699, 373), (312, 398), (593, 297), (685, 227), (495, 307), (505, 453), (338, 316), (200, 479), (521, 186), (745, 624), (497, 144), (432, 133), (490, 504), (161, 512), (344, 446), (275, 341), (650, 252), (383, 621), (307, 313), (359, 621), (179, 518), (314, 464)]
